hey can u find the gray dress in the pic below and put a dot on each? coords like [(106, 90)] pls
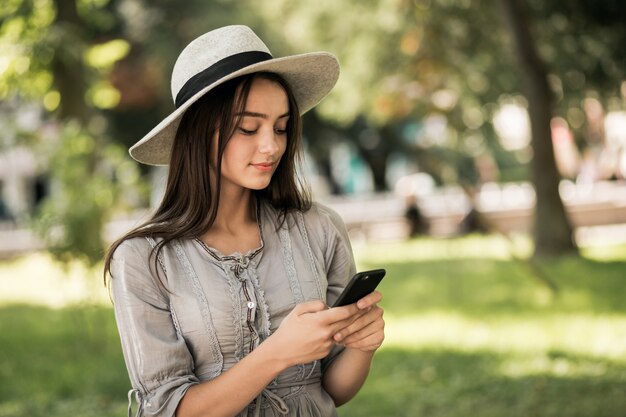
[(209, 310)]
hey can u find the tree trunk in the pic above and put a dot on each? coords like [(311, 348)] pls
[(552, 231), (319, 135), (376, 160), (373, 146), (67, 67)]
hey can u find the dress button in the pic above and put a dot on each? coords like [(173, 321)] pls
[(250, 305)]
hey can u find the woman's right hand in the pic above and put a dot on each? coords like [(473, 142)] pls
[(306, 334)]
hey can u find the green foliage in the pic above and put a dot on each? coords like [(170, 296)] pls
[(24, 55), (55, 59), (89, 180), (364, 36), (401, 62)]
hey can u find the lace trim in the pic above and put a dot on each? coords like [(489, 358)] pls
[(229, 258), (309, 252), (236, 305), (236, 267), (264, 310), (203, 304), (160, 257), (175, 321), (294, 283)]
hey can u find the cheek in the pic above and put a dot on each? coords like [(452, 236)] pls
[(282, 144), (229, 158), (236, 152)]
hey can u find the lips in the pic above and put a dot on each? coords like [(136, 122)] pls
[(264, 166)]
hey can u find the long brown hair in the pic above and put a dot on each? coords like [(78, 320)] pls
[(189, 205)]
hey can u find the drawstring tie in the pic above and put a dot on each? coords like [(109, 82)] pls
[(139, 401), (274, 401), (240, 266)]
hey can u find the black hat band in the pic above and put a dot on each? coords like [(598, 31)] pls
[(217, 71)]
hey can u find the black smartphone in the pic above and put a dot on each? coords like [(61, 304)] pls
[(361, 284)]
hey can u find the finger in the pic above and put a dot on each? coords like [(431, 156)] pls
[(334, 325), (369, 300), (339, 326), (337, 314), (374, 333), (366, 319), (350, 325), (373, 342), (309, 307), (365, 344), (370, 331), (364, 347)]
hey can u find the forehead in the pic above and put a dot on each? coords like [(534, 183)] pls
[(267, 96)]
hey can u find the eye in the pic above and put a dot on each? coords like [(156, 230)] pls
[(279, 131), (247, 132)]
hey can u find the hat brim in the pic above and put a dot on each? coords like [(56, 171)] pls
[(311, 76)]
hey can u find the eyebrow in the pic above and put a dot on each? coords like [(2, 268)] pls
[(261, 115)]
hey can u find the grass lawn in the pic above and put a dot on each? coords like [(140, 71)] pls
[(471, 331)]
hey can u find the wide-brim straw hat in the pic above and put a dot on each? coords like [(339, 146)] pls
[(223, 54)]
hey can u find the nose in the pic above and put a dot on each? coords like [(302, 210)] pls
[(269, 142)]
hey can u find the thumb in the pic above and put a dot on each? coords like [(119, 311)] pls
[(310, 307)]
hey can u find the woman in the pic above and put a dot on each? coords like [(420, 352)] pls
[(221, 297)]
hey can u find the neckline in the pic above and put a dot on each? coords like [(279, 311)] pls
[(237, 256)]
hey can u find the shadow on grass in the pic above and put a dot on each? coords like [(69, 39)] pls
[(489, 286), (453, 384)]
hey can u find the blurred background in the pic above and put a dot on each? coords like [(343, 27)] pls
[(476, 149)]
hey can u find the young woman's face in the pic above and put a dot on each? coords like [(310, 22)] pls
[(254, 151)]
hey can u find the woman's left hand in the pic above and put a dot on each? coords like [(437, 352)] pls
[(367, 330)]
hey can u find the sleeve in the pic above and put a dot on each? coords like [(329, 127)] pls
[(159, 363), (338, 257), (340, 265)]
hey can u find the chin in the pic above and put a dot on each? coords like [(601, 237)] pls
[(258, 186)]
